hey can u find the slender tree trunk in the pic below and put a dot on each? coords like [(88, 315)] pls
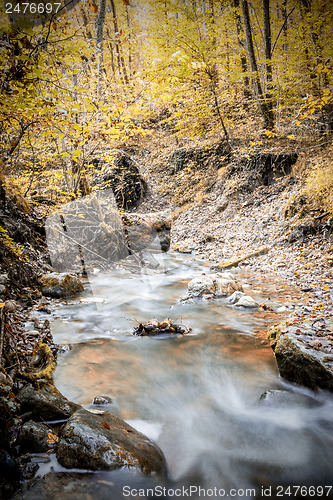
[(120, 59), (268, 57), (254, 67), (241, 41), (109, 44), (99, 43), (285, 26), (130, 62), (212, 22)]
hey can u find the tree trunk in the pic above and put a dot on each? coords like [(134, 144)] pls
[(254, 67), (285, 25), (99, 43), (120, 60), (241, 41), (268, 57)]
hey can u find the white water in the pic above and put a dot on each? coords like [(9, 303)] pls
[(197, 396)]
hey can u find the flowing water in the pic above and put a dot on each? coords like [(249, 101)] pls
[(198, 395)]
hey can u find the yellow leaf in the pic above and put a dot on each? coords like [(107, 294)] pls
[(2, 304)]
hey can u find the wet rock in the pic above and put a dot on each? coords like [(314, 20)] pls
[(247, 302), (214, 285), (200, 286), (47, 403), (101, 400), (57, 285), (225, 286), (34, 438), (282, 398), (105, 442), (239, 299), (235, 297), (2, 289), (154, 327), (28, 465), (299, 362)]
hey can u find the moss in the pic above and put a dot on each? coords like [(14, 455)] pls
[(273, 335), (42, 354)]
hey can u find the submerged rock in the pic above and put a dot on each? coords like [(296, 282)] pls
[(46, 403), (58, 285), (300, 358), (285, 399), (105, 442)]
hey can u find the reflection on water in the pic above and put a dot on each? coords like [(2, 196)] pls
[(198, 395)]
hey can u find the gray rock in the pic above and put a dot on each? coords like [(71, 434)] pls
[(101, 400), (200, 285), (58, 285), (235, 297), (216, 285), (105, 442), (247, 302), (46, 403), (34, 438), (297, 361), (2, 288)]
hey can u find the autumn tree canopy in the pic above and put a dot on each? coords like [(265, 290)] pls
[(91, 73)]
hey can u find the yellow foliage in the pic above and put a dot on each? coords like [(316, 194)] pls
[(320, 181)]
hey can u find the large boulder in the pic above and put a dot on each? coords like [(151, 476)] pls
[(105, 442), (58, 285), (303, 355), (46, 403)]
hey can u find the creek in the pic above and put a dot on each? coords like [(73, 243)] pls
[(197, 395)]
